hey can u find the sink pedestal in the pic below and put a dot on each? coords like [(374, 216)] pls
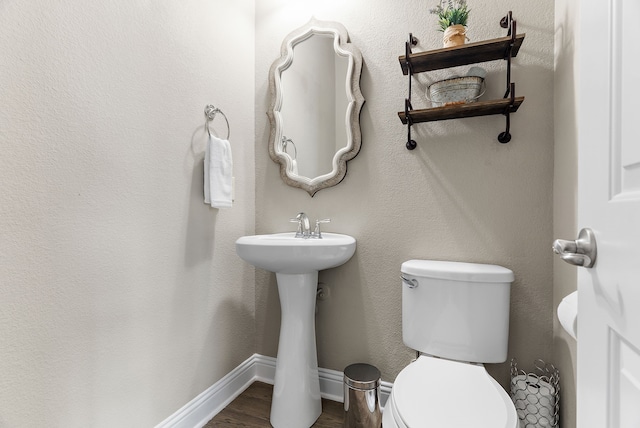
[(296, 401), (296, 394)]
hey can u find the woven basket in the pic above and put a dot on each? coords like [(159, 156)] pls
[(458, 90)]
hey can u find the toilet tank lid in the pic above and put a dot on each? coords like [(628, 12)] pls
[(457, 271)]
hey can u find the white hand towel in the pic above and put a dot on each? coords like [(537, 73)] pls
[(218, 173), (294, 167)]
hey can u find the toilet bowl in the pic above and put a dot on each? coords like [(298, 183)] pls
[(435, 392), (456, 315)]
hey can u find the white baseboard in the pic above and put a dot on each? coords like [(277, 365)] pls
[(210, 402)]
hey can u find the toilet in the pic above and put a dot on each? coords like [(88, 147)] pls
[(456, 316)]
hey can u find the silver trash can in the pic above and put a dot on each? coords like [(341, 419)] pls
[(362, 396)]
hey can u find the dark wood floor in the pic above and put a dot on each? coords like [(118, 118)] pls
[(252, 407)]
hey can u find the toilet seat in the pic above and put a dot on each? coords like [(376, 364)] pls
[(435, 392)]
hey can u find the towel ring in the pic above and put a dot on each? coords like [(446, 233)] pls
[(210, 112), (286, 141)]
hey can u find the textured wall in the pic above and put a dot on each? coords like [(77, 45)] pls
[(121, 297), (459, 196), (565, 195)]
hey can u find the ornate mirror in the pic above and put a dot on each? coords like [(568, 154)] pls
[(315, 106)]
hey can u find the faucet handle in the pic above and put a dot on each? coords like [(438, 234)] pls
[(317, 232), (299, 221)]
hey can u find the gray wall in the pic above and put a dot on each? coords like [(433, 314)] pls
[(121, 297), (117, 283), (459, 196), (565, 194)]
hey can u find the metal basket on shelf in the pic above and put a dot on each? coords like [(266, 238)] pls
[(458, 90)]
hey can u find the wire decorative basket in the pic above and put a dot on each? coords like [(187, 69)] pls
[(536, 395)]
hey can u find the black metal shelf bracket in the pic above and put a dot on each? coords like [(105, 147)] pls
[(508, 22), (412, 41)]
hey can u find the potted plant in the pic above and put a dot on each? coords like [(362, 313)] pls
[(452, 20)]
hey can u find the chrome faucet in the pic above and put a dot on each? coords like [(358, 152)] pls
[(304, 229)]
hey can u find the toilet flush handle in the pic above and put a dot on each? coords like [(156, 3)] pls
[(412, 283)]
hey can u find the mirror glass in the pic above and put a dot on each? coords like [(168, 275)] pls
[(315, 106)]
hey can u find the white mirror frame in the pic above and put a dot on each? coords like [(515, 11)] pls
[(343, 47)]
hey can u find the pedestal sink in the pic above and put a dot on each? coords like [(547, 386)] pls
[(296, 262)]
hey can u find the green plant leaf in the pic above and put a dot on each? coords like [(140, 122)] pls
[(451, 12)]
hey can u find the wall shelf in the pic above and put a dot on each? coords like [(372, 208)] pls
[(503, 48), (479, 108), (488, 50)]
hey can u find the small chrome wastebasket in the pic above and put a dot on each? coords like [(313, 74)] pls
[(362, 396)]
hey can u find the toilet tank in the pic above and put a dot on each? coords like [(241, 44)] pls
[(458, 311)]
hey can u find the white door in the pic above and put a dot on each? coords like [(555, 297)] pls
[(608, 384)]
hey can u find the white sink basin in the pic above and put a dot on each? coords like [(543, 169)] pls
[(283, 253), (296, 401)]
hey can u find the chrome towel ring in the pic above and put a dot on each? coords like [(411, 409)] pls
[(210, 112)]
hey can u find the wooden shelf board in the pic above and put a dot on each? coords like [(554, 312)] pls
[(479, 108), (488, 50)]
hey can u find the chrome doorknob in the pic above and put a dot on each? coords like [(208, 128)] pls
[(581, 252)]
